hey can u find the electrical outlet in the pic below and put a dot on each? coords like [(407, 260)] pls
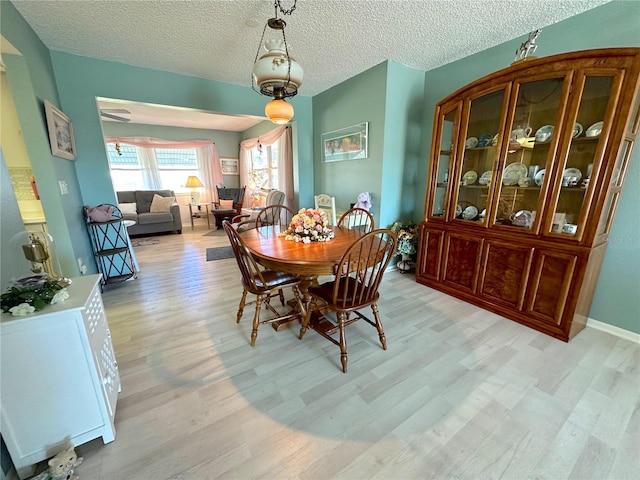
[(82, 266)]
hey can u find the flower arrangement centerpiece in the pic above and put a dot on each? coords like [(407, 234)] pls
[(308, 225), (407, 243), (26, 295)]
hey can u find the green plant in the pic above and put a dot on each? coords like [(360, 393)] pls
[(28, 294)]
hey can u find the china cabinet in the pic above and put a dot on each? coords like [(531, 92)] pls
[(526, 169), (60, 378)]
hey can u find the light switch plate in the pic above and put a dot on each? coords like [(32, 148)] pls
[(64, 189)]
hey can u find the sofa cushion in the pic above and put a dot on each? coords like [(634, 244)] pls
[(145, 197), (126, 196), (130, 216), (147, 218), (161, 204), (129, 207)]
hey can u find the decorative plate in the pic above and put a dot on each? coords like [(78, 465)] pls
[(485, 140), (458, 210), (513, 173), (472, 142), (539, 178), (594, 130), (577, 130), (543, 134), (469, 178), (572, 172), (485, 178), (470, 212)]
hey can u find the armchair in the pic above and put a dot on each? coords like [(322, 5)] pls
[(274, 198), (229, 204)]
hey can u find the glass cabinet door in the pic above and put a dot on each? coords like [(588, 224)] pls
[(533, 140), (480, 156), (447, 130), (574, 188)]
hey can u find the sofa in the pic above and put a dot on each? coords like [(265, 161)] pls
[(136, 205)]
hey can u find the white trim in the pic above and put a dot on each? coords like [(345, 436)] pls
[(613, 330)]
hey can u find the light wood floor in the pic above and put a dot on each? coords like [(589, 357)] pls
[(460, 393)]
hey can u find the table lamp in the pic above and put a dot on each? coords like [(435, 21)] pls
[(194, 183)]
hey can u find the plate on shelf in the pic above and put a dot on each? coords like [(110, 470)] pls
[(544, 134), (577, 130), (458, 210), (470, 212), (513, 173), (539, 178), (469, 178), (472, 142), (594, 130), (485, 178), (485, 140), (572, 172)]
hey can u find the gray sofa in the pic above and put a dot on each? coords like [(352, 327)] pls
[(147, 222)]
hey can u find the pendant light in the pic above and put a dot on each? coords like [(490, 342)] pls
[(276, 74)]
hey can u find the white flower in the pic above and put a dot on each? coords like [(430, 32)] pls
[(60, 296), (22, 310)]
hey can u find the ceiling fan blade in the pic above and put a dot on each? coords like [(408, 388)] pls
[(114, 110), (114, 117)]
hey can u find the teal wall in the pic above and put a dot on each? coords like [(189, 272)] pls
[(357, 100), (616, 24)]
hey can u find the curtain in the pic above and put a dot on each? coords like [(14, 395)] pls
[(282, 135), (150, 173), (209, 168)]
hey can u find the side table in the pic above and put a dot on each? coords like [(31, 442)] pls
[(127, 224), (205, 207)]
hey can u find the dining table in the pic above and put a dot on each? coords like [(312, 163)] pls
[(307, 260)]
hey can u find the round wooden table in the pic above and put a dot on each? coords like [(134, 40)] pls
[(309, 260)]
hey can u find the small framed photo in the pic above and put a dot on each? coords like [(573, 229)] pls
[(348, 143), (60, 132), (229, 166)]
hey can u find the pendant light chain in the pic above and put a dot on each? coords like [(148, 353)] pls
[(282, 10)]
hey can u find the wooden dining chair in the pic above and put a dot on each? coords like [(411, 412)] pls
[(354, 287), (275, 215), (328, 204), (260, 282), (357, 219)]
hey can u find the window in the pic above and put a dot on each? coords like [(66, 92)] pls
[(264, 164), (174, 166)]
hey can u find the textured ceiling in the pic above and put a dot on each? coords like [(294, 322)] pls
[(332, 40)]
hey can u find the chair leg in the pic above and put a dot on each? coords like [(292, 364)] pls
[(307, 317), (383, 339), (343, 341), (256, 320), (281, 293), (241, 307)]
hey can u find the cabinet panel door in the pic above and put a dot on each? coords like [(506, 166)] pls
[(550, 283), (504, 273), (430, 254), (461, 262)]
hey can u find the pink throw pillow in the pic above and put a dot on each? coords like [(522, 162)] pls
[(226, 204)]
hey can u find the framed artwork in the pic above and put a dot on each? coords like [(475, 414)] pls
[(229, 166), (348, 143), (60, 132)]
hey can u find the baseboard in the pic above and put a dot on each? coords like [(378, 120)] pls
[(613, 330)]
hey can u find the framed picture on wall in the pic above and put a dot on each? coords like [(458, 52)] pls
[(60, 132), (229, 166), (348, 143)]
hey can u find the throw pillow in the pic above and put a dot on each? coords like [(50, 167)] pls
[(161, 204), (127, 208), (226, 204)]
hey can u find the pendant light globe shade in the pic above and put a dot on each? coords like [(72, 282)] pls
[(279, 111), (276, 70)]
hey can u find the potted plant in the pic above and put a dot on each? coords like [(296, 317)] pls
[(408, 234)]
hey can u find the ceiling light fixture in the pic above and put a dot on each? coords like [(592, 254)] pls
[(276, 73)]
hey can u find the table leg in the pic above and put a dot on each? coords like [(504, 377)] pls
[(191, 216), (303, 286)]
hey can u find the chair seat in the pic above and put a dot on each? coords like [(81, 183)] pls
[(273, 279), (325, 292)]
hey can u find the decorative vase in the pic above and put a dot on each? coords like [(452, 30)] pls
[(405, 265)]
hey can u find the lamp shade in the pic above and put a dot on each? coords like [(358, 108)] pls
[(279, 111), (193, 182)]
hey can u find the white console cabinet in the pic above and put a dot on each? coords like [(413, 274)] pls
[(59, 377)]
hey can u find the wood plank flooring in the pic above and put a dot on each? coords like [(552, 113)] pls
[(460, 393)]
